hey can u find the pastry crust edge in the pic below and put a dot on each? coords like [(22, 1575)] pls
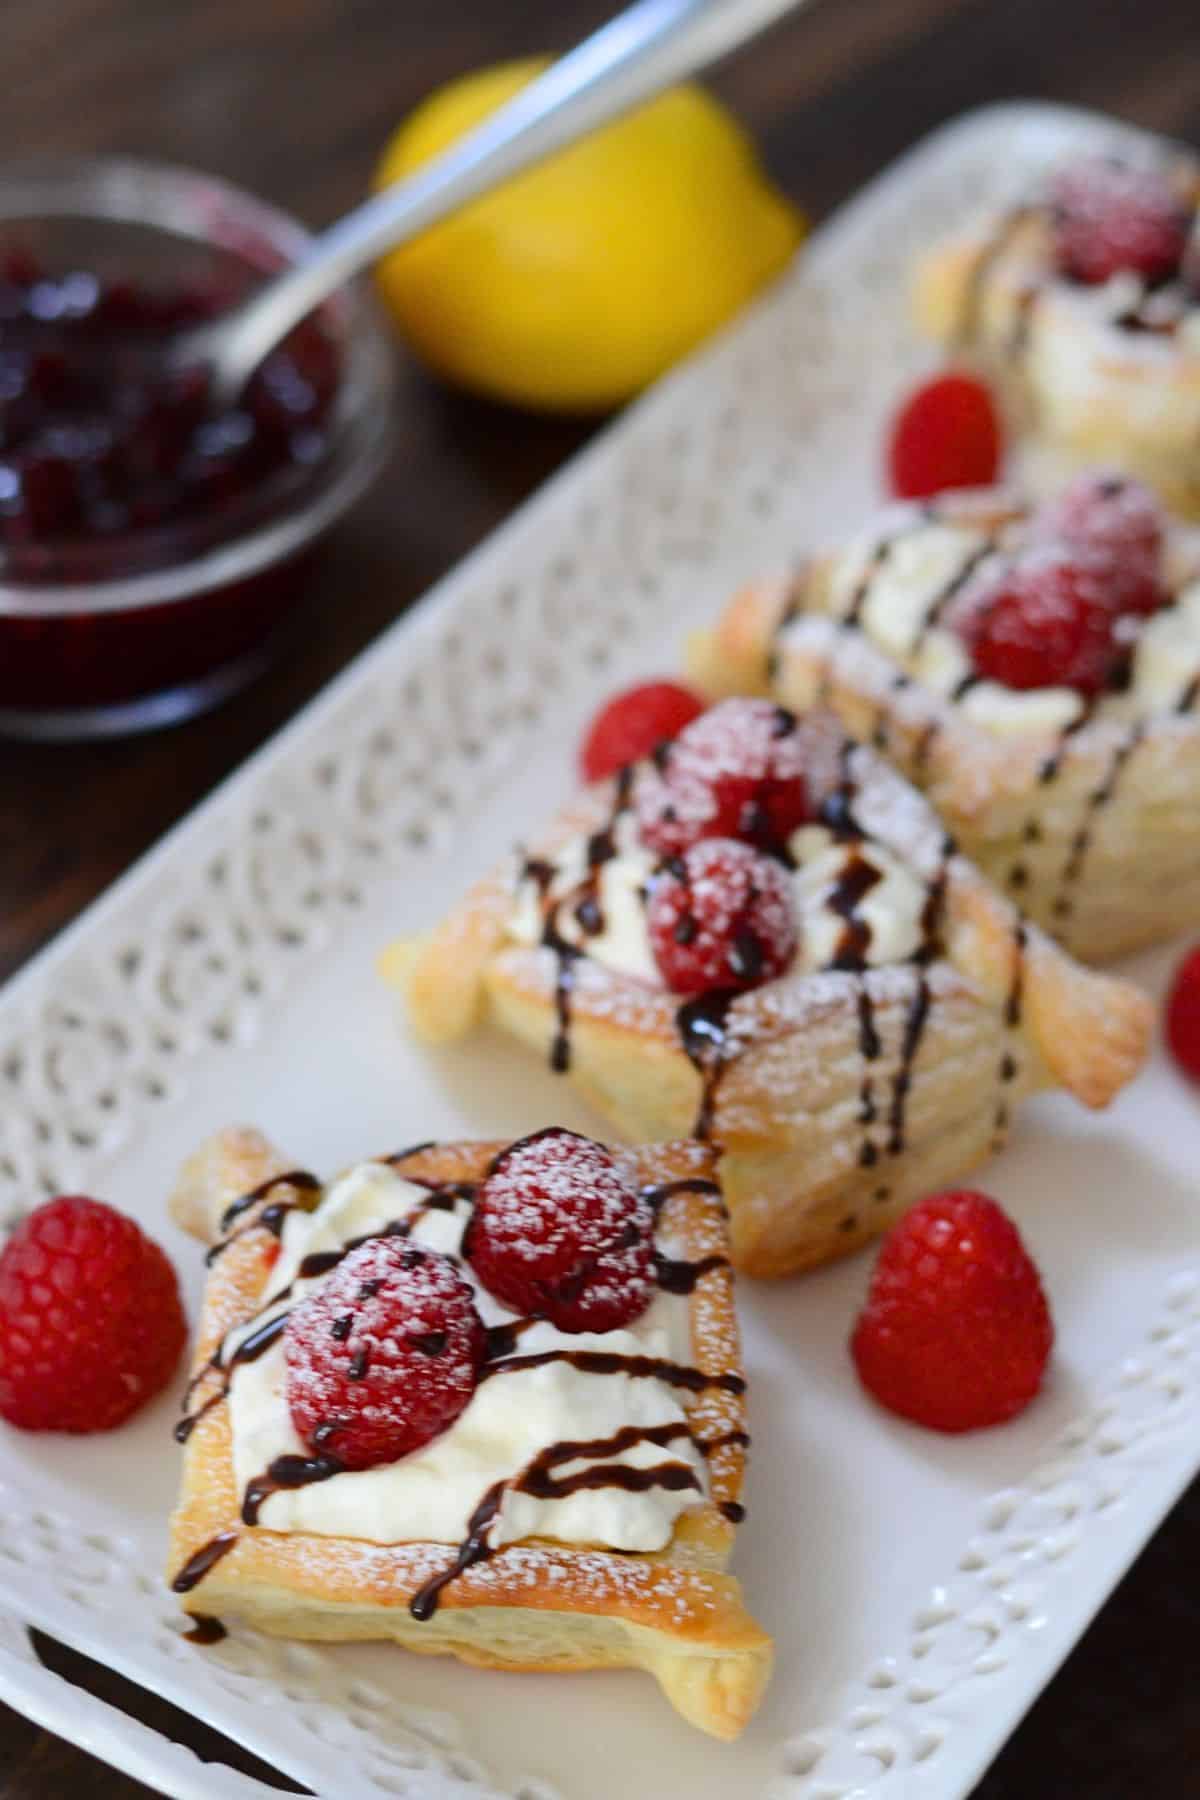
[(674, 1613)]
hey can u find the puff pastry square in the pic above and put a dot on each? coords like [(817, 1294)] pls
[(1085, 814), (534, 1603), (1108, 374), (837, 1094)]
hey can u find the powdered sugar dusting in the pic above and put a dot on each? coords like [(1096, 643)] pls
[(721, 916), (737, 770), (431, 1493), (383, 1354), (558, 1230)]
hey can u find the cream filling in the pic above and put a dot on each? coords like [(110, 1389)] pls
[(916, 572), (623, 944), (431, 1494), (891, 909)]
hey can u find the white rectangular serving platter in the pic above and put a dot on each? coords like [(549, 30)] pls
[(921, 1589)]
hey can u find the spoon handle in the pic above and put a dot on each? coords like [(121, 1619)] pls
[(651, 45)]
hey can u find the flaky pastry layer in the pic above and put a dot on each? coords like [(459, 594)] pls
[(533, 1605), (847, 1095), (1094, 833), (1086, 391)]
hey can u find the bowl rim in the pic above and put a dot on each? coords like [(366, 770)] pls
[(139, 191)]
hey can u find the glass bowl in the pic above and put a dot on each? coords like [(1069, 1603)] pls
[(152, 632)]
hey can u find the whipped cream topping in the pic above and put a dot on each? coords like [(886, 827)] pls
[(894, 597), (890, 909), (622, 943), (511, 1418)]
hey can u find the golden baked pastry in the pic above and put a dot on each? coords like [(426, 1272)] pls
[(885, 1062), (1099, 369), (318, 1562), (1082, 808)]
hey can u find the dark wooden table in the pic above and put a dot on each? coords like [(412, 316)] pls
[(294, 98)]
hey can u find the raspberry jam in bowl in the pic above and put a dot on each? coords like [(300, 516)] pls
[(152, 552)]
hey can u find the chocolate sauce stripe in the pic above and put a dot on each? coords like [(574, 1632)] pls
[(914, 1031), (1018, 874), (271, 1218), (585, 898), (681, 1276), (659, 1193), (1009, 1068), (538, 1480), (1095, 801), (201, 1561), (297, 1178), (616, 1362), (951, 589)]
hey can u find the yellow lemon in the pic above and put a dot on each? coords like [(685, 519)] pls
[(578, 282)]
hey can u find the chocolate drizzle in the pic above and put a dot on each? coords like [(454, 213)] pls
[(540, 1480), (205, 1630), (951, 589), (564, 983), (249, 1350), (207, 1557), (621, 1362), (702, 1026), (869, 1047), (1051, 766), (502, 1340), (287, 1473), (1009, 1067), (657, 1197), (680, 1277), (297, 1178), (271, 1217), (402, 1156), (475, 1548), (584, 902), (1099, 797), (914, 1028), (859, 875), (542, 1477), (727, 1440)]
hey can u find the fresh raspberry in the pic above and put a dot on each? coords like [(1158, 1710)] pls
[(91, 1325), (1119, 519), (634, 723), (946, 435), (1183, 1015), (557, 1231), (736, 772), (955, 1332), (383, 1355), (1047, 621), (721, 916), (1110, 216)]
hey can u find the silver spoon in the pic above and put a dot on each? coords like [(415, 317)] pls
[(643, 50)]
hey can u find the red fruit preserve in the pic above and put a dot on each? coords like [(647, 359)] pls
[(114, 467)]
